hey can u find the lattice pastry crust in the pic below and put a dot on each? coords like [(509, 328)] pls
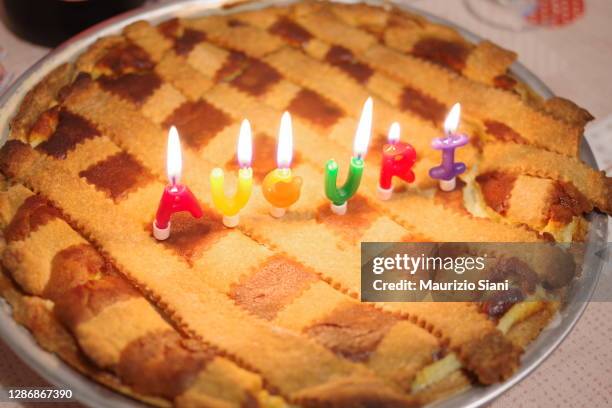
[(188, 323)]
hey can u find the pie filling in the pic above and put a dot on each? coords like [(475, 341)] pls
[(488, 195), (492, 204), (441, 369)]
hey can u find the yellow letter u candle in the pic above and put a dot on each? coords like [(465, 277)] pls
[(230, 206)]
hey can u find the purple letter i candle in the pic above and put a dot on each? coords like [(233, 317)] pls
[(448, 170)]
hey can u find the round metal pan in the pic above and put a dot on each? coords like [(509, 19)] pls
[(92, 394)]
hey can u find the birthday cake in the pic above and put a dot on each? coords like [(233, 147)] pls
[(268, 313)]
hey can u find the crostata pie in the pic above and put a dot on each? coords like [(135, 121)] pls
[(268, 313)]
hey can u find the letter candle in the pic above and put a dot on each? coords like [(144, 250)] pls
[(176, 197), (280, 187), (397, 160), (340, 195), (231, 206), (449, 170)]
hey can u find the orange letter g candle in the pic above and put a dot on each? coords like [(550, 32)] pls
[(280, 187)]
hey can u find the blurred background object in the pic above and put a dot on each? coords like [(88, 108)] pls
[(557, 13), (6, 77), (505, 14), (50, 22), (520, 15)]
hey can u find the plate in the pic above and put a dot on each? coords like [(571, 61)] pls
[(93, 394)]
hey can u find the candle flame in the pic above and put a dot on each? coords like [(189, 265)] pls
[(394, 133), (284, 151), (452, 119), (364, 129), (174, 159), (245, 144)]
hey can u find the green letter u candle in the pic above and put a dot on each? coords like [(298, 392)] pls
[(340, 195)]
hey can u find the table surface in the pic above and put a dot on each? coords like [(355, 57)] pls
[(574, 61)]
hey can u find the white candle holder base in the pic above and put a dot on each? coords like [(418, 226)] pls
[(277, 212), (448, 185), (384, 193), (161, 234), (339, 209), (231, 221)]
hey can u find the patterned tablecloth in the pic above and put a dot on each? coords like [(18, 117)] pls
[(574, 61)]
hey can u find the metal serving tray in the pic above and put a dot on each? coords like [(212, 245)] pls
[(93, 394)]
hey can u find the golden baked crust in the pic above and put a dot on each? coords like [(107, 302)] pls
[(185, 321), (39, 99)]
